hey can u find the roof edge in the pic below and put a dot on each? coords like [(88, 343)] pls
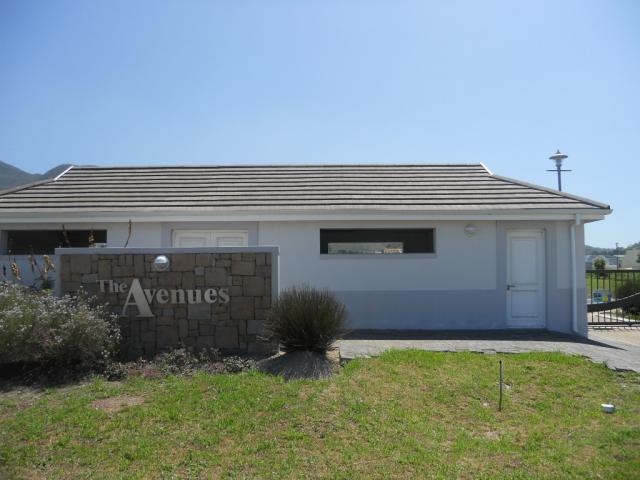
[(596, 204), (17, 188)]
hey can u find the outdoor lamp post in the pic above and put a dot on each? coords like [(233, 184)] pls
[(558, 158)]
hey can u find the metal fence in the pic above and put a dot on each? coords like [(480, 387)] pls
[(613, 298)]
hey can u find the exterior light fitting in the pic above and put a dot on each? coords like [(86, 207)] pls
[(470, 230), (161, 263)]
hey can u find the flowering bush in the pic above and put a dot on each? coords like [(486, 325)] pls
[(36, 327)]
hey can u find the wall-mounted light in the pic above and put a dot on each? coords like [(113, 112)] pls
[(161, 263), (470, 230)]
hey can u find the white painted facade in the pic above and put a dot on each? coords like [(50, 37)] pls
[(463, 285)]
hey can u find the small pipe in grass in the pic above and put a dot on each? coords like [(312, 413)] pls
[(500, 397)]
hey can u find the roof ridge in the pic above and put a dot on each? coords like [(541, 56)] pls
[(276, 165)]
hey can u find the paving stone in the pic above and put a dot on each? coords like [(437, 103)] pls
[(104, 269), (207, 330), (89, 278), (255, 327), (204, 259), (242, 308), (205, 341), (119, 272), (199, 311), (183, 262), (80, 264), (169, 279), (188, 281), (264, 271), (167, 336), (243, 268), (227, 337), (253, 286), (138, 266), (183, 328), (217, 277)]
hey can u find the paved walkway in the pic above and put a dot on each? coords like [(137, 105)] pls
[(624, 335), (618, 355)]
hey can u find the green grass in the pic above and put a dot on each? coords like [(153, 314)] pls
[(611, 281), (405, 414)]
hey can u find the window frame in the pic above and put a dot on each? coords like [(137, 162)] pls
[(8, 240), (404, 255), (210, 235)]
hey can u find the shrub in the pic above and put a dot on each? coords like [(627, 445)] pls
[(303, 318), (236, 364), (181, 362), (115, 371), (36, 327), (626, 289)]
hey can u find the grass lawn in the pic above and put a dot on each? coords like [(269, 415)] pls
[(611, 281), (405, 414)]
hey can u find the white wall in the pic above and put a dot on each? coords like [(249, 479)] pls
[(460, 262), (461, 285), (28, 276)]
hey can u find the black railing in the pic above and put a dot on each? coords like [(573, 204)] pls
[(613, 298)]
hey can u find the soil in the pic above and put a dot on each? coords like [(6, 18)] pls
[(302, 364), (115, 404)]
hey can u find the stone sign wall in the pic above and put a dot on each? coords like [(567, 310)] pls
[(215, 297)]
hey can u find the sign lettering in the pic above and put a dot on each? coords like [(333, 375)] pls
[(142, 298)]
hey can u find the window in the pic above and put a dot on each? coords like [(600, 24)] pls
[(376, 241), (25, 242), (210, 238)]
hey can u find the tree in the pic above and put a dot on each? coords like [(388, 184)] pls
[(599, 265)]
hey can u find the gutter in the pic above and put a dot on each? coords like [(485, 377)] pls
[(574, 273)]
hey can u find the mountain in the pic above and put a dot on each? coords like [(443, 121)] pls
[(589, 250), (11, 176)]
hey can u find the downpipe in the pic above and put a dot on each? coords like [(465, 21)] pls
[(574, 274)]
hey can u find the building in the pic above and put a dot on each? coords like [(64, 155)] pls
[(429, 246), (631, 259)]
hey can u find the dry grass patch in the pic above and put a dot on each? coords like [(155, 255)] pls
[(115, 404)]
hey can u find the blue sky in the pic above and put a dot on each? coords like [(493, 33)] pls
[(160, 82)]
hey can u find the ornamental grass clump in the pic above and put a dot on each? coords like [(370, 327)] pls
[(37, 328), (304, 318)]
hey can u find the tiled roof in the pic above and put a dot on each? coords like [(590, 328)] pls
[(420, 187)]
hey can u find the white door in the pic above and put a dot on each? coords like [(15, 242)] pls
[(525, 279), (210, 238)]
